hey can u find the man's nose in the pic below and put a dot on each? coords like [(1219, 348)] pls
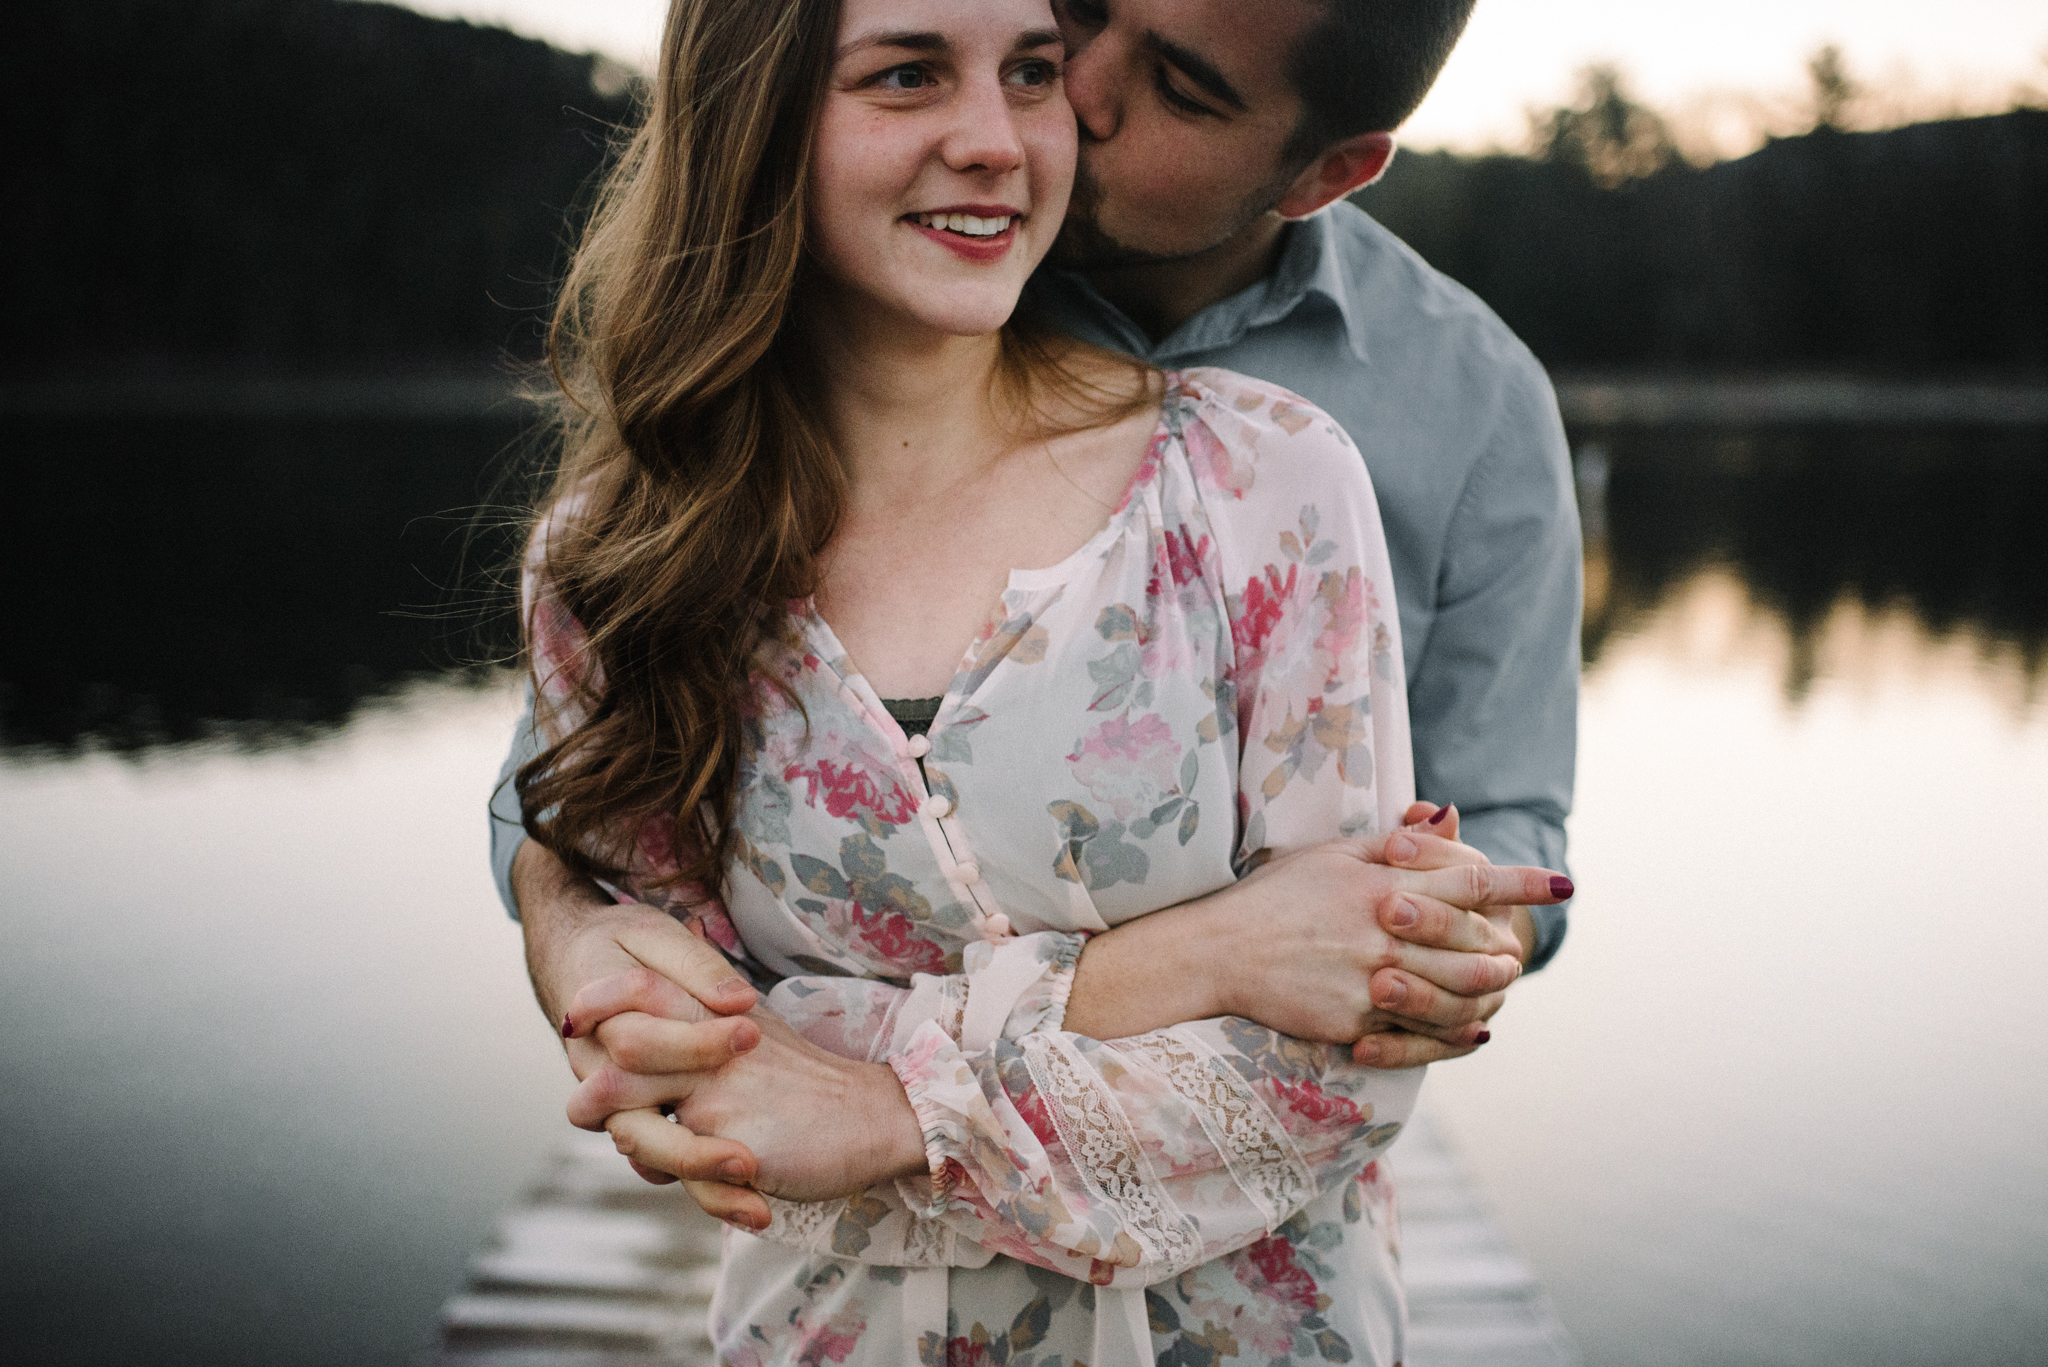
[(1093, 90)]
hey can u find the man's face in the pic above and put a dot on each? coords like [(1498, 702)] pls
[(1185, 109)]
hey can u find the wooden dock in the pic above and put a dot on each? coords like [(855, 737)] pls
[(594, 1268)]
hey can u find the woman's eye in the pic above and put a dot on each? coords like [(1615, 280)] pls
[(1035, 74), (904, 78)]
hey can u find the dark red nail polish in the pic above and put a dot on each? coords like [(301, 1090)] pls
[(1441, 813), (1484, 1036), (568, 1028), (1560, 887)]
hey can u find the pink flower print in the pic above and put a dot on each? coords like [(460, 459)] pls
[(1147, 468), (1263, 605), (1213, 464), (709, 918), (1343, 602), (1031, 1106), (855, 786), (1131, 765), (964, 1352), (1285, 1279), (1303, 1097), (1184, 555), (656, 845), (891, 938)]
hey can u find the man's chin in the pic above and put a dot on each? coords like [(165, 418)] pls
[(1083, 246)]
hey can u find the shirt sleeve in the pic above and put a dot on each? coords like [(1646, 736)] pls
[(1127, 1162), (508, 829), (1496, 690)]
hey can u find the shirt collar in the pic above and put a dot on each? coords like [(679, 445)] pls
[(1309, 268)]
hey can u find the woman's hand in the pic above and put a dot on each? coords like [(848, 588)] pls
[(818, 1126), (1402, 944)]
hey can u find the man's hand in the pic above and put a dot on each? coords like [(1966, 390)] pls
[(628, 986), (822, 1126)]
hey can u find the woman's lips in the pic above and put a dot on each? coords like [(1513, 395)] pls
[(986, 247)]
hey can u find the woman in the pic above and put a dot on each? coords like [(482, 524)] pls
[(816, 453)]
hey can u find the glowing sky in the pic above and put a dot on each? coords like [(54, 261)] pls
[(1729, 68)]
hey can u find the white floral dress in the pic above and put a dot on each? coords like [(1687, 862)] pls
[(1215, 673)]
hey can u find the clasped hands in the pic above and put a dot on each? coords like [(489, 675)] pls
[(1401, 945)]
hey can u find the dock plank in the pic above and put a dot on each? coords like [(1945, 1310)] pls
[(595, 1268)]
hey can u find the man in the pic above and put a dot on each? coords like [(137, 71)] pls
[(1209, 228)]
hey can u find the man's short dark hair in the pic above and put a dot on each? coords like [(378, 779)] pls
[(1366, 64)]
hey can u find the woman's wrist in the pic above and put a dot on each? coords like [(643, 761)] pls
[(1163, 969)]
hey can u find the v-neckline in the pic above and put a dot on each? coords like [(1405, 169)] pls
[(841, 662)]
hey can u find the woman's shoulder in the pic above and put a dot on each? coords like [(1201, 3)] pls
[(1240, 431)]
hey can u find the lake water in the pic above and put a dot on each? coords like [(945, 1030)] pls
[(272, 1065)]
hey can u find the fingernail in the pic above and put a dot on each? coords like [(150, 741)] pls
[(1365, 1053), (1394, 993), (1441, 813), (731, 987), (1483, 1037), (1560, 887), (1400, 847), (1403, 914), (733, 1170), (568, 1028)]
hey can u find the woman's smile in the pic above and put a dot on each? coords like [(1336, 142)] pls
[(973, 232)]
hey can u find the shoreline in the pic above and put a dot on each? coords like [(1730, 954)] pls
[(441, 392)]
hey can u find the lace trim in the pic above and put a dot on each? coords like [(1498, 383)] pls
[(1261, 1156), (806, 1224), (1106, 1154)]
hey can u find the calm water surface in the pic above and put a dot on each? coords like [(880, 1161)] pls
[(273, 1066)]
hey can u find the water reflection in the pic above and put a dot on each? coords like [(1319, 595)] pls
[(205, 576), (1936, 523), (249, 577)]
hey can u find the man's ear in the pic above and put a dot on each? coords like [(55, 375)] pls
[(1347, 166)]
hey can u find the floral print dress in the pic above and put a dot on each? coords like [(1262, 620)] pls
[(1216, 673)]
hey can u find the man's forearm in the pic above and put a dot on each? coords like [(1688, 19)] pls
[(553, 905)]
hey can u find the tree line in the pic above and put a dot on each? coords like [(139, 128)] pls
[(1917, 250), (319, 182)]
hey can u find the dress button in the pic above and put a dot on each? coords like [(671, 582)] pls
[(936, 806), (918, 746), (998, 925), (968, 873)]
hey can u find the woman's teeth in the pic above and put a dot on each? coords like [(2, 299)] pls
[(966, 224)]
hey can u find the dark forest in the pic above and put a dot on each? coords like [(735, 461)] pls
[(312, 183)]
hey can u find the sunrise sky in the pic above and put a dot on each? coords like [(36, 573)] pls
[(1728, 72)]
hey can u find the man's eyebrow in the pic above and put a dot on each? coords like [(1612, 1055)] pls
[(915, 42), (1198, 69)]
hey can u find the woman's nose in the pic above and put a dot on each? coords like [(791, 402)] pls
[(984, 133)]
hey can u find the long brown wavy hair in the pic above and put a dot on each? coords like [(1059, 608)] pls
[(705, 484)]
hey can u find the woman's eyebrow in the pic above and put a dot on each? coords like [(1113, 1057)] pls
[(937, 42), (914, 42), (1196, 68)]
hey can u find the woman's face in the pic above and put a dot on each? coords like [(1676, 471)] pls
[(943, 160)]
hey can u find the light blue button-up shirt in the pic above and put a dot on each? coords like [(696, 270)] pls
[(1460, 431)]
